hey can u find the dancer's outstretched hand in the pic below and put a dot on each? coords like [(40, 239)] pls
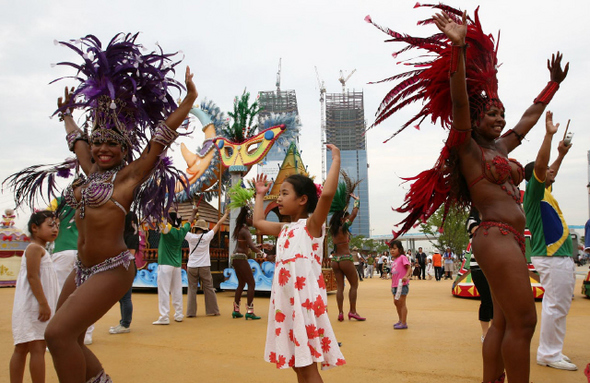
[(191, 89), (455, 32), (550, 128), (66, 98), (554, 66)]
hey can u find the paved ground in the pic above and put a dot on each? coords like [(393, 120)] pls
[(441, 345)]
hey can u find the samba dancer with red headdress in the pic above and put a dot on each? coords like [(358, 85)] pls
[(133, 117), (474, 168)]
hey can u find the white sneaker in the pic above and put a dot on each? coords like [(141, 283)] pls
[(561, 365), (162, 321), (564, 357), (87, 339), (119, 329), (179, 318)]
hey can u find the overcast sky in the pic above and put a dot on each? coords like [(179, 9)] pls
[(232, 45)]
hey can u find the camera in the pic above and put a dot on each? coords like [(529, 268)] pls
[(568, 138)]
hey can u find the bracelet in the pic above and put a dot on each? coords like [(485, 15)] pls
[(164, 135), (356, 204), (455, 50), (73, 137), (547, 94), (519, 136)]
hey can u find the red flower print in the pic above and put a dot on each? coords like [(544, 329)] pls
[(287, 244), (321, 282), (278, 331), (317, 259), (298, 255), (279, 316), (291, 234), (292, 338), (292, 361), (292, 300), (326, 344), (320, 332), (312, 332), (315, 246), (319, 307), (272, 357), (284, 275), (307, 304), (281, 361), (340, 362), (300, 283), (313, 351)]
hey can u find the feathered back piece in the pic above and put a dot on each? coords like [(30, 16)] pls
[(343, 192), (122, 89), (429, 83), (239, 196), (39, 181)]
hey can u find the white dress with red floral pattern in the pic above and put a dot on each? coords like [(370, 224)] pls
[(299, 331)]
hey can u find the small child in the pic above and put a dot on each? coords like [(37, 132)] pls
[(417, 270), (400, 270), (299, 332), (35, 298), (429, 269)]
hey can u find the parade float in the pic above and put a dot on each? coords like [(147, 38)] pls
[(12, 247), (228, 152), (463, 286)]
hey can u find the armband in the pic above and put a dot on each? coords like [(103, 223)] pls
[(164, 135), (77, 135), (455, 54), (519, 136), (547, 94), (356, 204)]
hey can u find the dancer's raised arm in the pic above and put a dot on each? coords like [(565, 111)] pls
[(77, 140), (456, 33), (317, 219), (514, 137)]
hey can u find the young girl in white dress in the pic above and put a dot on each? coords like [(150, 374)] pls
[(299, 332), (35, 297)]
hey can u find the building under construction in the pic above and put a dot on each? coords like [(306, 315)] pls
[(345, 128), (277, 101)]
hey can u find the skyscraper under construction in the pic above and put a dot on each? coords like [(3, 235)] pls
[(277, 101), (345, 128)]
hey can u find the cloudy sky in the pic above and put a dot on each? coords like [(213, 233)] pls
[(232, 45)]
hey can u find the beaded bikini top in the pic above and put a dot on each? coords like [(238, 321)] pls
[(500, 170), (95, 191)]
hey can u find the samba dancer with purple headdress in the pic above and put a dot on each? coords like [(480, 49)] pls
[(131, 119)]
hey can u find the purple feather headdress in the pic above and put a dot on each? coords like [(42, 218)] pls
[(125, 95)]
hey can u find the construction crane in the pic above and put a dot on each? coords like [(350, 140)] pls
[(323, 121), (344, 80), (278, 83)]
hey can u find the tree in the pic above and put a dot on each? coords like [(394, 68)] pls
[(454, 235)]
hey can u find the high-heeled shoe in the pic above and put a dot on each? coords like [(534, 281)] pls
[(341, 317), (236, 313), (356, 316), (250, 313)]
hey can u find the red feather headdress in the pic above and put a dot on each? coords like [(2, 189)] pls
[(429, 83)]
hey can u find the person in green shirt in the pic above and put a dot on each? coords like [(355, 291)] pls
[(551, 250), (169, 268)]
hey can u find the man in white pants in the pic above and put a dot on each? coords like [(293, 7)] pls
[(551, 251), (169, 269)]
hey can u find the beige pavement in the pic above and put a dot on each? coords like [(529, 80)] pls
[(442, 343)]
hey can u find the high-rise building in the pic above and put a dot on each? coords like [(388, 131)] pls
[(278, 101), (345, 128)]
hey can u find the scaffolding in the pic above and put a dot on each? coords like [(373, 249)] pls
[(284, 101), (345, 120)]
